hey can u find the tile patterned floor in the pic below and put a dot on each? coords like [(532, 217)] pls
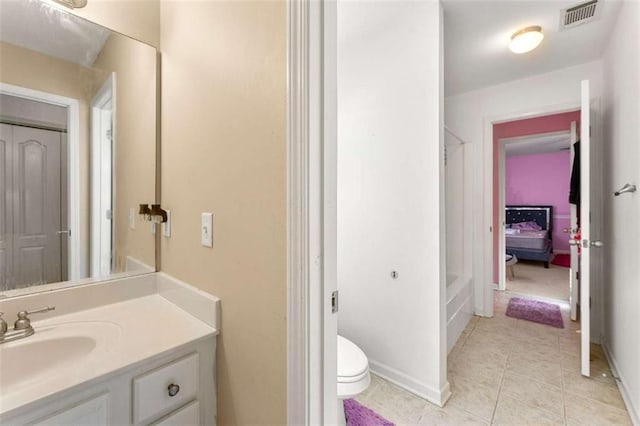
[(531, 278), (505, 371)]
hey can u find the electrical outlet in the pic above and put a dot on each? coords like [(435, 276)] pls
[(132, 218), (166, 226), (206, 230)]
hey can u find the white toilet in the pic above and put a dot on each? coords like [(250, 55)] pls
[(353, 374)]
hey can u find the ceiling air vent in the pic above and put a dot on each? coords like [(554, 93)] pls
[(579, 14)]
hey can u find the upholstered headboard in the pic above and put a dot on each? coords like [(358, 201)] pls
[(542, 215)]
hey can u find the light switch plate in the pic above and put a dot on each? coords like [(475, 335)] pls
[(132, 218), (206, 230), (166, 226)]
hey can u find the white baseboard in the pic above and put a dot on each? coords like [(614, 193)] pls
[(431, 394), (634, 412)]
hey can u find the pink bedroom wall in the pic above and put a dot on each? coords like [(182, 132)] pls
[(511, 129), (542, 179)]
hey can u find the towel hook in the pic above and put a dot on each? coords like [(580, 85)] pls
[(626, 188)]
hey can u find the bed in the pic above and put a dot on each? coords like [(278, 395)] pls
[(522, 236)]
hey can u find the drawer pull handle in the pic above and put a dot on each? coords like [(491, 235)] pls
[(173, 389)]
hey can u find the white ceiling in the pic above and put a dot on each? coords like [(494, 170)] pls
[(538, 144), (477, 34), (37, 26)]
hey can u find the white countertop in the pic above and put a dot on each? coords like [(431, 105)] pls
[(142, 328)]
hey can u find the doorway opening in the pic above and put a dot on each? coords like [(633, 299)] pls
[(102, 166), (534, 158), (530, 209), (39, 238), (34, 162)]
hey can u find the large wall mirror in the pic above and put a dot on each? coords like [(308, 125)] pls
[(77, 150)]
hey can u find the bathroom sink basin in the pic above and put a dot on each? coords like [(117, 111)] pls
[(54, 350)]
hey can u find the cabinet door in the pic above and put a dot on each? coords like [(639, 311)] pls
[(188, 415), (88, 413)]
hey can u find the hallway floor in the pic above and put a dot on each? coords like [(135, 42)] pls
[(531, 278), (506, 371)]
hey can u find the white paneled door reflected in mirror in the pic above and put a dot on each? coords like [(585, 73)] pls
[(77, 149)]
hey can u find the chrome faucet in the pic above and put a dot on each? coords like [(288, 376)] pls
[(22, 327)]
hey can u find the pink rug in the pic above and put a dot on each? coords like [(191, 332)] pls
[(562, 260), (359, 415), (536, 311)]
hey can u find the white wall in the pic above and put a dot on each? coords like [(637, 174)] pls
[(390, 190), (622, 231), (469, 115)]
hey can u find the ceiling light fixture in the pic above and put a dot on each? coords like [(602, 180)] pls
[(526, 39)]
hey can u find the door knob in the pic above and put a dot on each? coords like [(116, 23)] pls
[(596, 243), (66, 231), (573, 242)]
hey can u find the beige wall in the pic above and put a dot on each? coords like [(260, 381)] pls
[(26, 68), (224, 151), (135, 172), (139, 19)]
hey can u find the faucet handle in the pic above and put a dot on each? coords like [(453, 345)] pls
[(23, 322), (38, 311)]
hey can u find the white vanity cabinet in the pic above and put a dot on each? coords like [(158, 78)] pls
[(175, 388), (92, 412), (187, 415)]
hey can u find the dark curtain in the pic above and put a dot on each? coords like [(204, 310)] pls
[(574, 186)]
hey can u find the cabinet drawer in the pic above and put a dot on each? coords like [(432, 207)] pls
[(152, 392), (186, 416)]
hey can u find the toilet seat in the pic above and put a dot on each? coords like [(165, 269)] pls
[(353, 369), (352, 362)]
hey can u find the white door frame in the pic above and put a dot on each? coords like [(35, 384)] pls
[(311, 212), (102, 249), (76, 259), (502, 191), (485, 285)]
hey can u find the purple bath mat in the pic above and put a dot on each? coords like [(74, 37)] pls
[(359, 415), (536, 311)]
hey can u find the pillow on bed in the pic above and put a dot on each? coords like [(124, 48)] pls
[(531, 225)]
